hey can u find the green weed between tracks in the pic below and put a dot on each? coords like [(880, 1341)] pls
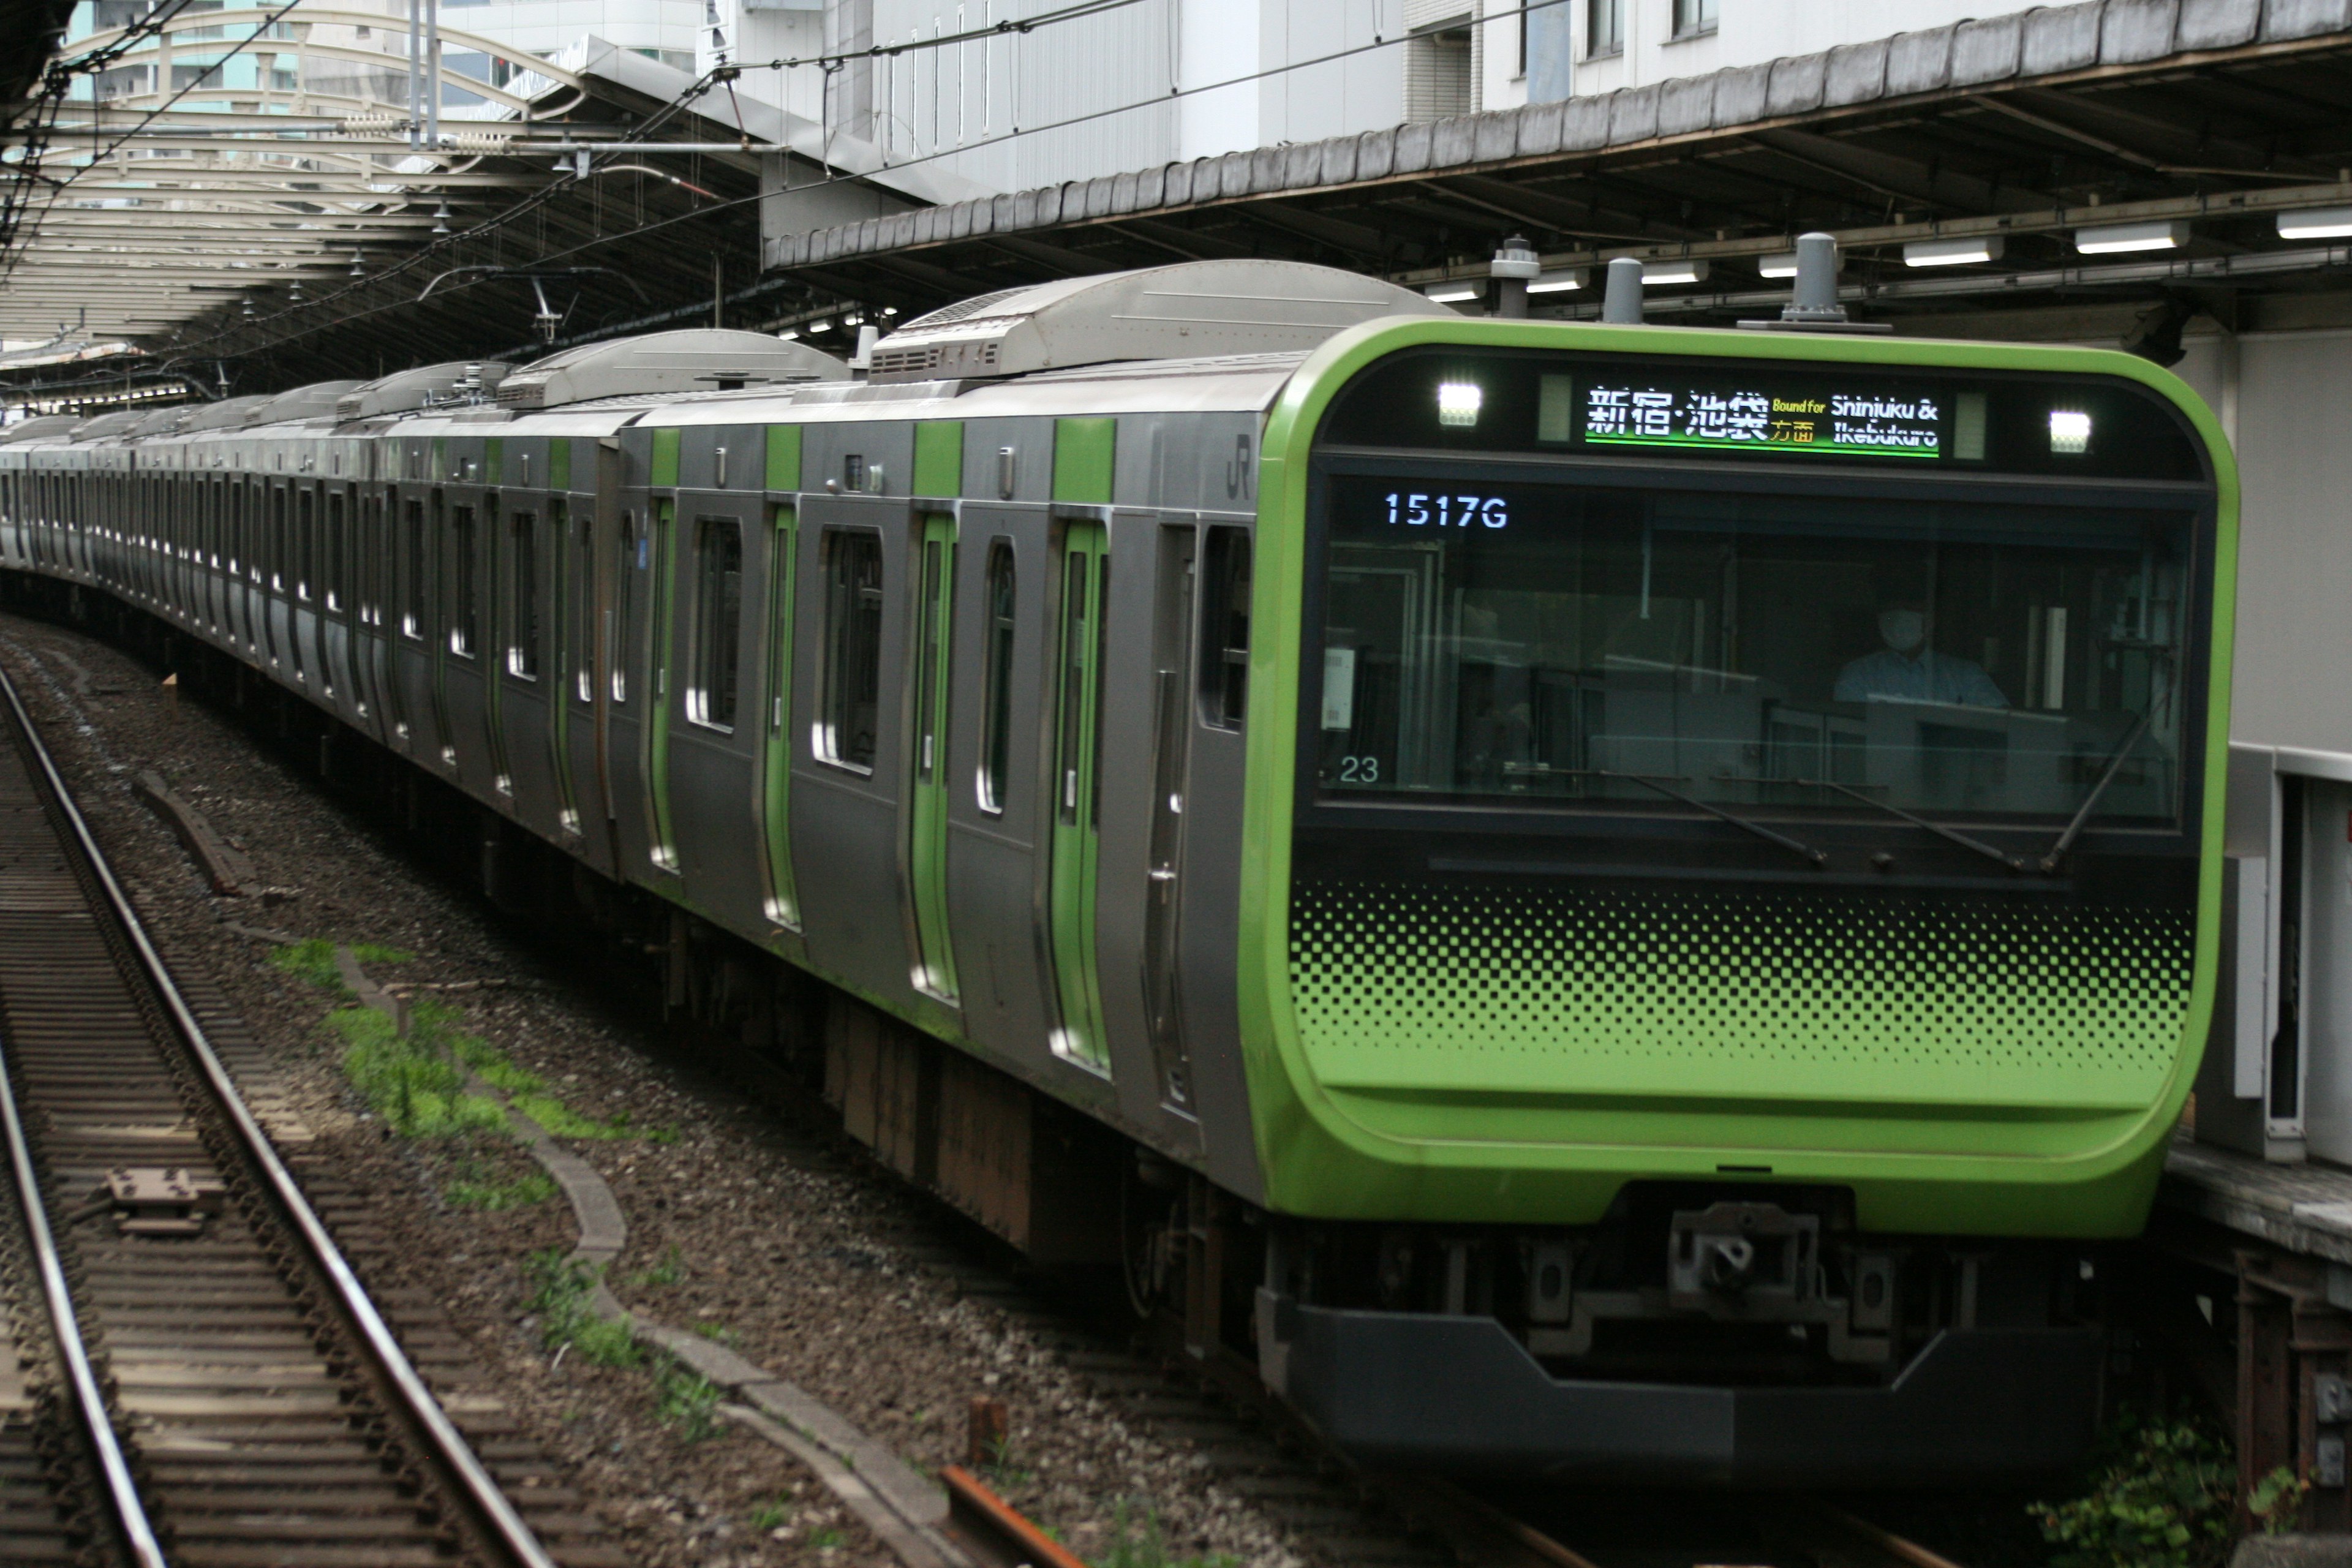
[(563, 1289), (685, 1401), (416, 1081), (1142, 1543)]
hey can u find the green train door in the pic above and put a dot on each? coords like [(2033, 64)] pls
[(927, 816), (1077, 759), (664, 840)]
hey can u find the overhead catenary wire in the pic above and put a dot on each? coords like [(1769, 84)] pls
[(710, 80)]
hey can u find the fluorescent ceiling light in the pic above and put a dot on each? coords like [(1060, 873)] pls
[(2114, 237), (1458, 402), (2317, 223), (1557, 282), (1673, 271), (1784, 265), (1951, 252), (1453, 293)]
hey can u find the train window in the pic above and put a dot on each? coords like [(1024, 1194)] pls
[(332, 589), (1225, 625), (623, 594), (464, 599), (853, 649), (718, 619), (306, 549), (412, 615), (996, 707), (581, 605), (275, 540), (522, 594)]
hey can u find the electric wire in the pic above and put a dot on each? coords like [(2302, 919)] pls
[(705, 84)]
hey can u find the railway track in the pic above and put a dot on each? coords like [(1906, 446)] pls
[(231, 1385)]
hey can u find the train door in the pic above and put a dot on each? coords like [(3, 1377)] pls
[(927, 785), (599, 577), (783, 898), (561, 613), (1076, 840), (1172, 730)]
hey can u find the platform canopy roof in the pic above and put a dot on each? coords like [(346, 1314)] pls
[(2192, 126)]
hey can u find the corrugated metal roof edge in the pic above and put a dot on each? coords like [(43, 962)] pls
[(2039, 44)]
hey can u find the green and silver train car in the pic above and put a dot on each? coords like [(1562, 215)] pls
[(1597, 900)]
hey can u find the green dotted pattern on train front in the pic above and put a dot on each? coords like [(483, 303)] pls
[(1468, 986)]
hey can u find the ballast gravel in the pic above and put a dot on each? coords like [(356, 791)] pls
[(758, 1229)]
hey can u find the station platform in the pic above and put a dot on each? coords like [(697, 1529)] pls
[(2276, 1350)]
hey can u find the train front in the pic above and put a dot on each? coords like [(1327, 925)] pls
[(1735, 839)]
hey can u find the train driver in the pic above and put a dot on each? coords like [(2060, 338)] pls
[(1908, 669)]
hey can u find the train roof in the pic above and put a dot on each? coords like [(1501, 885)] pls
[(405, 390), (228, 414), (40, 426), (1190, 310), (104, 425), (698, 360), (315, 401)]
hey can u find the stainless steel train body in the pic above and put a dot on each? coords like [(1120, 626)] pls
[(945, 686)]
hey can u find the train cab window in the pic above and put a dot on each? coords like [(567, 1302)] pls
[(850, 711), (1226, 623), (412, 595), (996, 709), (464, 597), (718, 621), (623, 594), (522, 594), (1754, 650)]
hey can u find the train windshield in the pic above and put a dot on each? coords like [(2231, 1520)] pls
[(1566, 645)]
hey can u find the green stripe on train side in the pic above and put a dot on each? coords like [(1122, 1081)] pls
[(664, 460), (1084, 452), (2065, 1166), (558, 464), (938, 458), (783, 457)]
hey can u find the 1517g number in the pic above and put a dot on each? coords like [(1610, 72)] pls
[(1415, 509)]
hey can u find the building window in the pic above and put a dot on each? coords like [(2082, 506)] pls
[(1225, 621), (1604, 28), (1693, 18), (853, 649), (718, 618), (996, 716), (1438, 58), (522, 603)]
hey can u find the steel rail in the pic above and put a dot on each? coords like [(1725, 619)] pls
[(494, 1511), (129, 1513)]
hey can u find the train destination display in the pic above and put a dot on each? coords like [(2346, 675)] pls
[(1833, 422)]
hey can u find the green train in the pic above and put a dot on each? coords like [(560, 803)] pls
[(1604, 901)]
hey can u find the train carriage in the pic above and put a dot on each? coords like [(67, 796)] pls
[(1605, 901)]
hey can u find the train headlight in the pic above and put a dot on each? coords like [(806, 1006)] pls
[(1458, 402), (2070, 431)]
